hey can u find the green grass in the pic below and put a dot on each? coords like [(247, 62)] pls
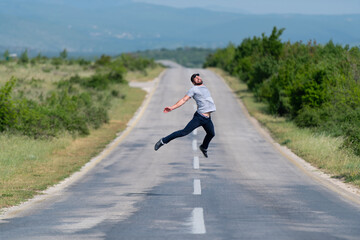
[(15, 150), (320, 150), (28, 166)]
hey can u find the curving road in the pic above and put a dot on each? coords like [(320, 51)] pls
[(246, 189)]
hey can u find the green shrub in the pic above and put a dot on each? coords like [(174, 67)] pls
[(116, 74), (262, 70), (352, 135), (7, 111), (310, 117), (24, 58), (103, 60), (97, 81), (78, 104), (315, 85), (59, 112), (64, 110), (115, 93), (33, 120)]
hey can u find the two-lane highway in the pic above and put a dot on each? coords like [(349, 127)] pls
[(246, 189)]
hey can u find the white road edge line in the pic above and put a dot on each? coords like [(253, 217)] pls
[(198, 223), (196, 163), (197, 187), (194, 145), (195, 131)]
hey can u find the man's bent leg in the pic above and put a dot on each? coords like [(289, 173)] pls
[(194, 123), (210, 133)]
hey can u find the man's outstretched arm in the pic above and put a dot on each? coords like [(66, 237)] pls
[(178, 104)]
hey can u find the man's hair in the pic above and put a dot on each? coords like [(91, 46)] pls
[(194, 76)]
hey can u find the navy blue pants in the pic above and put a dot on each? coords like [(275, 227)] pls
[(197, 121)]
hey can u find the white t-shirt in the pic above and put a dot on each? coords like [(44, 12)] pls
[(203, 99)]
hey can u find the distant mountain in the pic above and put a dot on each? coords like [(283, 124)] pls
[(112, 26)]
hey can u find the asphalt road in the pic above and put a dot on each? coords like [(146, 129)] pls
[(246, 189)]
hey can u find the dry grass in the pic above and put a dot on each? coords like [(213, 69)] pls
[(36, 80), (45, 71), (320, 150)]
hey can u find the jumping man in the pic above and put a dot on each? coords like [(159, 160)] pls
[(202, 117)]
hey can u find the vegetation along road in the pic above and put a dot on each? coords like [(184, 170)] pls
[(246, 189)]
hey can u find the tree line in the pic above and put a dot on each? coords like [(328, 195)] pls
[(317, 86), (24, 59)]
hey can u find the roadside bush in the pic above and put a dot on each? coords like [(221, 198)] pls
[(262, 70), (103, 60), (7, 111), (315, 85), (33, 120), (116, 73), (65, 110), (78, 104), (352, 135), (97, 81), (223, 58), (311, 117), (59, 112)]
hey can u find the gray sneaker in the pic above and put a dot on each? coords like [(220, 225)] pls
[(203, 150), (158, 145)]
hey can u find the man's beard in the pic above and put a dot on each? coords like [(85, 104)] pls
[(197, 84)]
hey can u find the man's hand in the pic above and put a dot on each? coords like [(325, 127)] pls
[(167, 109)]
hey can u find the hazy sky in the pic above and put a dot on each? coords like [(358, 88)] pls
[(269, 6)]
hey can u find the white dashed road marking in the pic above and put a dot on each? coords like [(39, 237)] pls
[(197, 216), (197, 220), (196, 163), (197, 187)]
